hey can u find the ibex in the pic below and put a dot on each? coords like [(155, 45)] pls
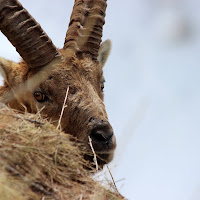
[(40, 81)]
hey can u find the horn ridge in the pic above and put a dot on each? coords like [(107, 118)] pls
[(25, 34), (85, 27)]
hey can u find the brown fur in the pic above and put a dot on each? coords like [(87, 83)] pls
[(85, 98), (79, 70)]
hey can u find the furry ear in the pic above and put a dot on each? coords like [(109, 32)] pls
[(5, 68), (104, 52), (10, 71)]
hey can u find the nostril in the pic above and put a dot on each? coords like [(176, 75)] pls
[(99, 135), (102, 135)]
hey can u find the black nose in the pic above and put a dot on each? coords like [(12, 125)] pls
[(102, 132)]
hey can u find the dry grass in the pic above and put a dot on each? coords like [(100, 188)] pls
[(37, 161)]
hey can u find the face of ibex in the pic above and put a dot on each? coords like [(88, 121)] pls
[(48, 76)]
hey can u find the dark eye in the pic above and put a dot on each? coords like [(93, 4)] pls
[(102, 87), (40, 97), (102, 84)]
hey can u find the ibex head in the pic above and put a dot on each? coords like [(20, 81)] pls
[(40, 81)]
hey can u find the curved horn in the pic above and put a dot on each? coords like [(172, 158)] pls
[(85, 27), (26, 35)]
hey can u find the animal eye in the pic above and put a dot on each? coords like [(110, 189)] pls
[(40, 97), (102, 85)]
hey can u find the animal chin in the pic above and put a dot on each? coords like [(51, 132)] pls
[(103, 150), (102, 158)]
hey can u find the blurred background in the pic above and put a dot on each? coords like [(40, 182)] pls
[(151, 94)]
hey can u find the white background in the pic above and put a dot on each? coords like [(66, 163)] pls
[(152, 91)]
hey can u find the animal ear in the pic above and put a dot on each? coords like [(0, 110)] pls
[(8, 70), (104, 52), (5, 68)]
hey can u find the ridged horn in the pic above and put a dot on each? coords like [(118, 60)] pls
[(85, 27), (25, 34)]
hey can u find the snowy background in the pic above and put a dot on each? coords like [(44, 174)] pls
[(152, 91)]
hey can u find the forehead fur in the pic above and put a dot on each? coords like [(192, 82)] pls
[(77, 70), (78, 75), (85, 67)]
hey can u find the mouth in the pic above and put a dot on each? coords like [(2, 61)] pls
[(100, 142), (102, 159), (103, 151)]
